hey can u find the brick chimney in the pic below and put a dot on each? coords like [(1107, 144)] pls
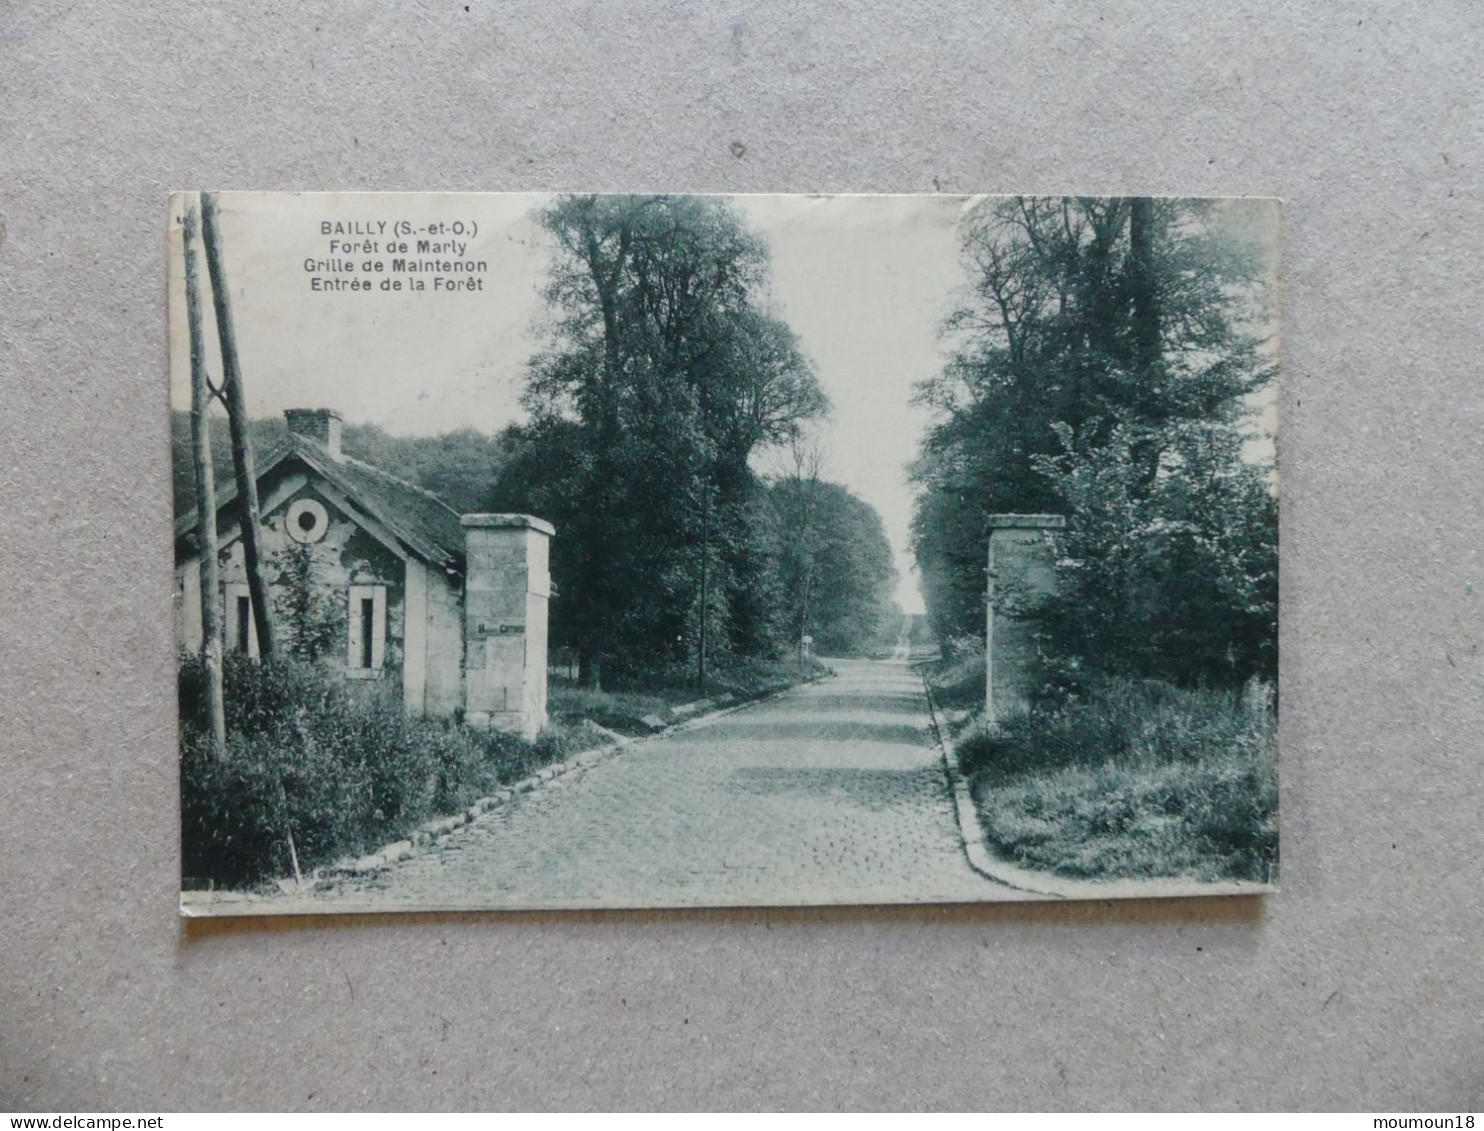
[(321, 424)]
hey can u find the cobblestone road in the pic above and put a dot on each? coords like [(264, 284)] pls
[(831, 793)]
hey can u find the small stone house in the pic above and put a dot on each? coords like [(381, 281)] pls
[(400, 593)]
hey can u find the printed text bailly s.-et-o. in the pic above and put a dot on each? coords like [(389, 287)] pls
[(395, 256)]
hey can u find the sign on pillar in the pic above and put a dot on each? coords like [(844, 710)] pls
[(507, 586), (1021, 570)]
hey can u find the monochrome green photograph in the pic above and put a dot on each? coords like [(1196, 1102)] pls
[(625, 551)]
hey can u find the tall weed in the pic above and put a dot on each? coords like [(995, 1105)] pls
[(338, 773), (1138, 779)]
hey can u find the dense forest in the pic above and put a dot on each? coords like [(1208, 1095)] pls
[(459, 467), (1104, 368)]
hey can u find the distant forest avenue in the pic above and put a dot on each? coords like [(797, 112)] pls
[(1107, 363)]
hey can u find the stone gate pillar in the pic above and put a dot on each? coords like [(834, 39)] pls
[(1021, 569), (506, 590)]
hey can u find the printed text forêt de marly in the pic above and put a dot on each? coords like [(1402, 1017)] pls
[(396, 256)]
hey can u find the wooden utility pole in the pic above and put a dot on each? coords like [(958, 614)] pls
[(243, 467), (242, 461), (211, 607)]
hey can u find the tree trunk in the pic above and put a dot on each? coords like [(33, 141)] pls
[(1143, 287), (595, 591), (807, 550), (705, 591), (589, 667), (242, 459), (211, 608), (804, 612), (1144, 335)]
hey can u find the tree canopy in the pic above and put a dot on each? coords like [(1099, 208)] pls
[(460, 467), (1102, 368), (664, 374)]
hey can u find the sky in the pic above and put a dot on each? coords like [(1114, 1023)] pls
[(865, 281)]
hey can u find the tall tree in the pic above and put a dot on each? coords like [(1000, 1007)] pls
[(672, 373), (584, 375), (1101, 336)]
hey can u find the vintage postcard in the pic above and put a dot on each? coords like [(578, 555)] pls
[(575, 551)]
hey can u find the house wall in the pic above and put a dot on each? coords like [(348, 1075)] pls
[(444, 687), (432, 671), (188, 628), (345, 556), (415, 640), (423, 656)]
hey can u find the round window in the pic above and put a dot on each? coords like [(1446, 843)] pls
[(307, 520)]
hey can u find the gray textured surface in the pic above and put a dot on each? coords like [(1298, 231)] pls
[(1357, 986)]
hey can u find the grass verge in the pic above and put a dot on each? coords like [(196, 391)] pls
[(1138, 780), (956, 680), (624, 707)]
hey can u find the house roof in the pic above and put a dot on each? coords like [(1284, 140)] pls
[(419, 519)]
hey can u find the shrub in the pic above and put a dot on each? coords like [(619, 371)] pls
[(1138, 779), (1125, 721), (340, 772), (294, 764), (1169, 568), (233, 822)]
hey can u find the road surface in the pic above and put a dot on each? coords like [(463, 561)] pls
[(831, 793)]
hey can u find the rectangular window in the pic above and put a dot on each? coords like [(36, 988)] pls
[(244, 625), (242, 632), (368, 630), (366, 620)]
